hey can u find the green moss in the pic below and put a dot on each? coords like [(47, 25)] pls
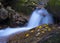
[(54, 7)]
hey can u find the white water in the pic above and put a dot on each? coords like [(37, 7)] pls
[(9, 31), (35, 20)]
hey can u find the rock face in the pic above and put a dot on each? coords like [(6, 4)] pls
[(54, 7), (9, 17), (35, 35), (14, 18), (18, 21)]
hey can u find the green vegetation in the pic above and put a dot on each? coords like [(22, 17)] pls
[(24, 6)]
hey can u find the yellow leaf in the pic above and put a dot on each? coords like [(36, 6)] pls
[(40, 26), (32, 30), (49, 29), (42, 31), (27, 35)]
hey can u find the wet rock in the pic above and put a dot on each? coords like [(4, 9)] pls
[(15, 19), (35, 36)]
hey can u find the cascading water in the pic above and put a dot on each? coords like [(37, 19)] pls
[(36, 19)]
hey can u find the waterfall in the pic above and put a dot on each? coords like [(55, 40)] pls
[(35, 20)]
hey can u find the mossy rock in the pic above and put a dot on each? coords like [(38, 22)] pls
[(54, 7)]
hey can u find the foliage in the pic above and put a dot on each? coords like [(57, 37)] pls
[(25, 6)]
